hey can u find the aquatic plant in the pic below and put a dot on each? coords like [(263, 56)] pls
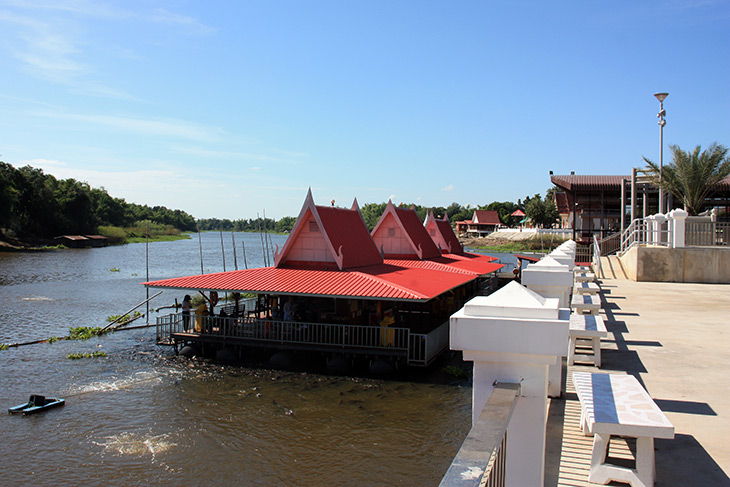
[(84, 332), (121, 318), (52, 339), (114, 269), (76, 356), (4, 346)]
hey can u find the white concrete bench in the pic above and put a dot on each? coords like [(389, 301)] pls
[(584, 277), (617, 405), (586, 304), (586, 327), (586, 288)]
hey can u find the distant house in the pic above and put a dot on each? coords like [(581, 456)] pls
[(482, 223), (82, 241)]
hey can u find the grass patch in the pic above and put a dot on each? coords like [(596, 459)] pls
[(77, 356)]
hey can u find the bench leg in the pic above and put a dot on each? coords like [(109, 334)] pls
[(597, 351), (603, 473), (571, 350)]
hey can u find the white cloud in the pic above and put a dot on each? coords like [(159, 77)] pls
[(163, 127), (450, 187)]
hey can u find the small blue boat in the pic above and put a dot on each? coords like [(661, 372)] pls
[(37, 404)]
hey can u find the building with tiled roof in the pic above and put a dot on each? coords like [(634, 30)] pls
[(483, 222)]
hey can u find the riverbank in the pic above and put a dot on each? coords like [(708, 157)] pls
[(513, 241)]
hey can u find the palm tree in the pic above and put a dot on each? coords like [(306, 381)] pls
[(692, 177)]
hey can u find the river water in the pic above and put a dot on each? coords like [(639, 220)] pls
[(142, 416)]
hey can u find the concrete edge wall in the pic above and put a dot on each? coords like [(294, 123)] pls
[(688, 264)]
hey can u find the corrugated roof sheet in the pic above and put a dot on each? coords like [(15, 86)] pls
[(346, 230), (447, 233), (412, 225), (575, 182), (394, 279)]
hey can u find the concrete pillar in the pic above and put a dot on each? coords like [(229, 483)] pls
[(514, 335), (649, 237), (657, 227), (677, 225), (564, 258), (551, 279)]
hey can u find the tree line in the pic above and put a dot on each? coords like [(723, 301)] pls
[(35, 205)]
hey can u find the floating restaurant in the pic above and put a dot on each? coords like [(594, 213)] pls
[(339, 290)]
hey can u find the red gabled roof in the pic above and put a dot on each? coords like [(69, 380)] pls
[(421, 243), (486, 217), (347, 240), (517, 212), (479, 264), (444, 234)]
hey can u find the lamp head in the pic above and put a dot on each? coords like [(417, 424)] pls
[(661, 96)]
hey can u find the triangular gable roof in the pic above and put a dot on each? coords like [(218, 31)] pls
[(486, 217), (346, 238), (421, 245), (442, 234), (517, 212)]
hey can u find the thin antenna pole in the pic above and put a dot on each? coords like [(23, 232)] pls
[(147, 260), (223, 250), (261, 237), (200, 244), (266, 239), (235, 260)]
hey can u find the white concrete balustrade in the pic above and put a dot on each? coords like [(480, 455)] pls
[(514, 335)]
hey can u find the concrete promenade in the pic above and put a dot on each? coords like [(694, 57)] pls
[(675, 339)]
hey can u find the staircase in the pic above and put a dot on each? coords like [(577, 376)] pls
[(611, 268)]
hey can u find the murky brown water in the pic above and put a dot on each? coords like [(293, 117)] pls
[(143, 416)]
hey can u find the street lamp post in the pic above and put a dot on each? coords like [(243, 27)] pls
[(662, 113)]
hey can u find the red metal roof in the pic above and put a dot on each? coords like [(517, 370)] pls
[(396, 280), (422, 244), (575, 182), (347, 238), (441, 228), (517, 212), (347, 231)]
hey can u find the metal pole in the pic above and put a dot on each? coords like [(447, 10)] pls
[(633, 195), (623, 206), (200, 244), (661, 97)]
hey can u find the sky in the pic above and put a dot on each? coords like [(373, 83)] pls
[(231, 109)]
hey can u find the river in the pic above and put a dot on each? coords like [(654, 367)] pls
[(142, 416)]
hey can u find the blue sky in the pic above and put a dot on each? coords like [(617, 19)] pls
[(227, 109)]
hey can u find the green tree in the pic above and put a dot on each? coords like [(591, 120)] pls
[(692, 177), (542, 212)]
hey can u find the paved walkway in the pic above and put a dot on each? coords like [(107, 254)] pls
[(674, 338)]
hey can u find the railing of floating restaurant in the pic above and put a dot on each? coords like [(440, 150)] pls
[(482, 458), (419, 349)]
